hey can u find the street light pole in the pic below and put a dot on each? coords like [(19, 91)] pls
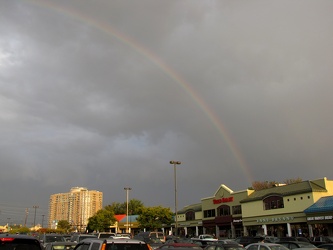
[(35, 207), (127, 190), (175, 178)]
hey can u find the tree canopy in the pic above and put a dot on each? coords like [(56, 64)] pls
[(101, 221), (153, 218), (260, 185), (134, 207), (64, 225)]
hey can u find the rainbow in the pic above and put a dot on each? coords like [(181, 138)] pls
[(169, 71)]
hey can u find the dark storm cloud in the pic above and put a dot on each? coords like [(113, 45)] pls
[(104, 94)]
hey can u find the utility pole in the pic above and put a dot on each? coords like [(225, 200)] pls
[(35, 207), (26, 216), (43, 220)]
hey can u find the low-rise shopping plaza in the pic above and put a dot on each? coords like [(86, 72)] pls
[(302, 208)]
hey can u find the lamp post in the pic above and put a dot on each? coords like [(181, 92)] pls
[(35, 207), (175, 178), (127, 190)]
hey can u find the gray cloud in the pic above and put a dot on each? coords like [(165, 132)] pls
[(104, 94)]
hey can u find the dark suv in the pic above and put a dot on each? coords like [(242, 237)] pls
[(19, 242)]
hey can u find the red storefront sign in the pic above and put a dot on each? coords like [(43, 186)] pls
[(223, 200)]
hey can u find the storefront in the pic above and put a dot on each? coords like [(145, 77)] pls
[(222, 213), (293, 224), (319, 217), (280, 210), (190, 221)]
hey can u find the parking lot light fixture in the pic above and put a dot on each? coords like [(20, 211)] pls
[(175, 183), (127, 190)]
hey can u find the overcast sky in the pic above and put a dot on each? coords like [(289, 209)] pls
[(103, 94)]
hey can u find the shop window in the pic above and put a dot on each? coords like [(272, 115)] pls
[(237, 209), (223, 210), (190, 215), (209, 213), (273, 202)]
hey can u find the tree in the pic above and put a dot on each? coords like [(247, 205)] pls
[(260, 185), (101, 221), (117, 208), (291, 181), (134, 207), (64, 225), (153, 218)]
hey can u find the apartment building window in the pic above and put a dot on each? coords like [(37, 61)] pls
[(237, 209), (209, 213), (223, 210), (273, 202)]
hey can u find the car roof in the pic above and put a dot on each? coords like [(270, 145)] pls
[(18, 236), (264, 243), (62, 243), (117, 241), (181, 244)]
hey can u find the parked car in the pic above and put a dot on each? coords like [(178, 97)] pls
[(289, 238), (154, 243), (246, 240), (47, 238), (203, 243), (181, 246), (152, 234), (120, 236), (271, 239), (319, 240), (228, 241), (79, 237), (104, 235), (224, 246), (265, 246), (111, 244), (67, 245), (19, 242), (296, 244), (328, 246)]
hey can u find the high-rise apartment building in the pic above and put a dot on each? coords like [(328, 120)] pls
[(76, 207)]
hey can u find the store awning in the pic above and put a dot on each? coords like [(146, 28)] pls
[(324, 204)]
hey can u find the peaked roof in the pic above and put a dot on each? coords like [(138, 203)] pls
[(131, 218), (193, 207), (119, 217), (324, 204), (286, 190)]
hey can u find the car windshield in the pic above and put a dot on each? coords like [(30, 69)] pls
[(63, 247), (54, 238)]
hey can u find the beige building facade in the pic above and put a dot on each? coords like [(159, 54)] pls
[(75, 206), (279, 211), (222, 213), (298, 209)]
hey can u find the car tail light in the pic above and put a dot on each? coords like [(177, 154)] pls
[(103, 246), (6, 239), (149, 247)]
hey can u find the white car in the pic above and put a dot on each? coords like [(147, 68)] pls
[(265, 246)]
